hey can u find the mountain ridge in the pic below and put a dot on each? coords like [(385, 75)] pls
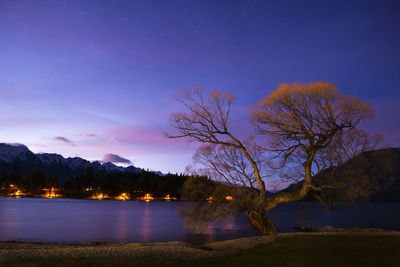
[(52, 164)]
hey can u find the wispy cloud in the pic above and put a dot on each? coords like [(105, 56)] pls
[(64, 140), (144, 135), (89, 135), (115, 159)]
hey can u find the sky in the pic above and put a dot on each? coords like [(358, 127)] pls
[(95, 79)]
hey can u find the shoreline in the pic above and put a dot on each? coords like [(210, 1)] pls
[(15, 250), (90, 198), (167, 200)]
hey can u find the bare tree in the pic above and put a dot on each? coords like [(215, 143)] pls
[(307, 126), (230, 165), (207, 121), (340, 166), (300, 122), (237, 189)]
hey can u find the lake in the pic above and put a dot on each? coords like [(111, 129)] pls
[(79, 220)]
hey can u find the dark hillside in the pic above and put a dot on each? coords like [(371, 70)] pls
[(370, 176)]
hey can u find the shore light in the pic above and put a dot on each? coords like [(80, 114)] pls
[(123, 196)]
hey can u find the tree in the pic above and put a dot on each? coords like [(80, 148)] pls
[(207, 122), (310, 125), (339, 173), (15, 176), (35, 182), (300, 122)]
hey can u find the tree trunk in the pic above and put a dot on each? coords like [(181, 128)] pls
[(261, 222)]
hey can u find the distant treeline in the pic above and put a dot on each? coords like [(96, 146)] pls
[(375, 176), (112, 184)]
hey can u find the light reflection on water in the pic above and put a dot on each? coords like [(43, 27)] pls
[(146, 223), (121, 226), (77, 220)]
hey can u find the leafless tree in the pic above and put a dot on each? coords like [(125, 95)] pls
[(301, 122), (341, 166)]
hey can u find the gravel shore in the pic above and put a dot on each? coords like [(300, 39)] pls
[(182, 250), (17, 250)]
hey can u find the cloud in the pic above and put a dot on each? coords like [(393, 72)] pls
[(89, 135), (64, 140), (114, 158), (144, 135)]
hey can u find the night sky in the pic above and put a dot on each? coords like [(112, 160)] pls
[(90, 78)]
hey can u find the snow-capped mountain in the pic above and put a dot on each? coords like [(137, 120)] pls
[(9, 152), (52, 164), (77, 162), (109, 166), (51, 158)]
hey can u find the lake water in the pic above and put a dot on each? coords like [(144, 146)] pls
[(78, 220)]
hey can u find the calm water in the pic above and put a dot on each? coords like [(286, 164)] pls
[(77, 220)]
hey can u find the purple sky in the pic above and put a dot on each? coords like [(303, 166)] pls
[(95, 78)]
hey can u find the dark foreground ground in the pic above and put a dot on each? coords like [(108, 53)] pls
[(294, 249)]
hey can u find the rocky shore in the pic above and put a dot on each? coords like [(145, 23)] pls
[(10, 251), (182, 250)]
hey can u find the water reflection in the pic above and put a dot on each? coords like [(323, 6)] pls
[(77, 220), (8, 218), (230, 224), (145, 229), (303, 214), (122, 223)]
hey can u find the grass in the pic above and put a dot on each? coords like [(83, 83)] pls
[(322, 250)]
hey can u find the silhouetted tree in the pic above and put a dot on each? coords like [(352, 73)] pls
[(53, 181), (15, 176), (35, 182), (300, 123)]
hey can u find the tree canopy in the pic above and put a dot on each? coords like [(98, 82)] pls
[(305, 127)]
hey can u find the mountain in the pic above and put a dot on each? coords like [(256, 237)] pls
[(9, 152), (51, 164), (371, 176)]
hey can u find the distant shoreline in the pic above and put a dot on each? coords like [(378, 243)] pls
[(86, 198), (174, 200)]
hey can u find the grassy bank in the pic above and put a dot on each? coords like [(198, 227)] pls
[(284, 250)]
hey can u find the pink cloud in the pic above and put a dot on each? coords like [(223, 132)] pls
[(115, 158), (64, 140), (90, 135)]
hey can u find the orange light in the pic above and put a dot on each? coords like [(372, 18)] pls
[(51, 193), (16, 191), (168, 197), (210, 198), (99, 196), (229, 198), (147, 197), (123, 196)]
